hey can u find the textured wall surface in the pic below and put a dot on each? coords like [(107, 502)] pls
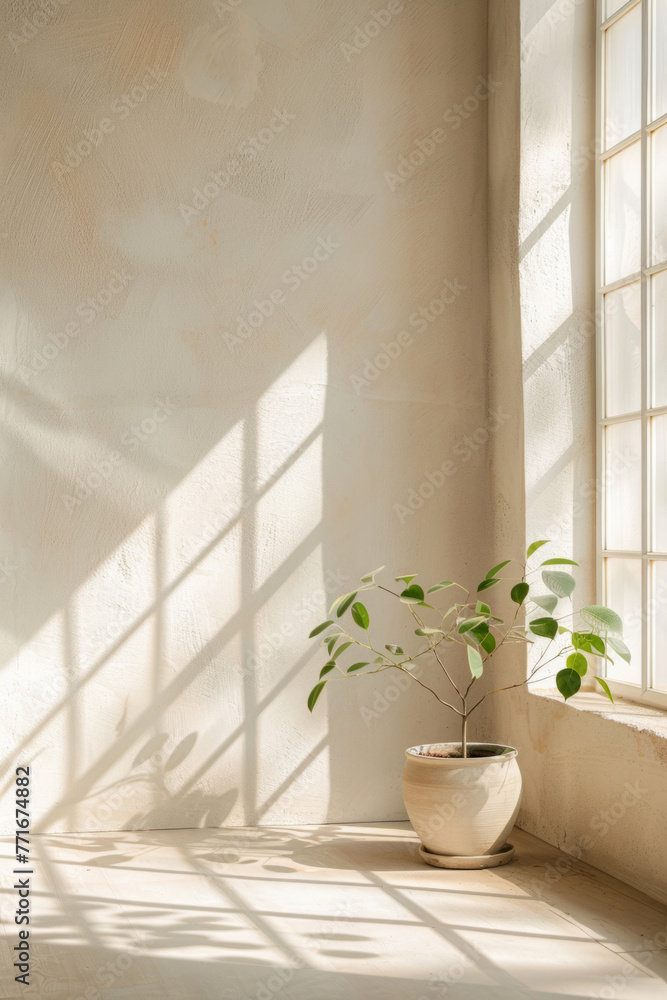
[(222, 402)]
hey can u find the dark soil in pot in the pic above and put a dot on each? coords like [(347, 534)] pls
[(456, 752)]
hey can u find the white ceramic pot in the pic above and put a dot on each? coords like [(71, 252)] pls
[(463, 808)]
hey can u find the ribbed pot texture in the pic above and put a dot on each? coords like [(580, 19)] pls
[(462, 807)]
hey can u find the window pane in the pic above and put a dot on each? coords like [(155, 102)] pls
[(659, 430), (659, 315), (659, 194), (660, 625), (622, 339), (659, 60), (611, 6), (623, 485), (624, 596), (622, 213), (623, 77)]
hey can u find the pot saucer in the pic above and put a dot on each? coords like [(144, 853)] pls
[(502, 857)]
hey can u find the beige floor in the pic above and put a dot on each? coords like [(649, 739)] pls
[(324, 913)]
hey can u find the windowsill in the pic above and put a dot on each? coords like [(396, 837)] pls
[(628, 713)]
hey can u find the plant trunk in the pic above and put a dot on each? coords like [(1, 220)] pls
[(464, 736)]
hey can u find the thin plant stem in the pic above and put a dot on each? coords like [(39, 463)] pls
[(434, 648), (430, 689), (387, 666), (455, 686), (399, 666), (510, 687)]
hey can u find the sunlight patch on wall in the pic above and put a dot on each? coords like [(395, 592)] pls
[(44, 677), (546, 302), (291, 410), (298, 491), (547, 158), (203, 602), (282, 624), (203, 507), (114, 596), (278, 532)]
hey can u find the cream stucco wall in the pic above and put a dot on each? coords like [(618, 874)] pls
[(217, 218)]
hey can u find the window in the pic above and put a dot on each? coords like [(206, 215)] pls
[(632, 352)]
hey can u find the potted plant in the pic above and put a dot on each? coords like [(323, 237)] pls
[(463, 798)]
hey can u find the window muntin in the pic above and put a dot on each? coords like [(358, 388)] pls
[(632, 300)]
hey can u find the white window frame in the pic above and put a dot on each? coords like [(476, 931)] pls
[(643, 692)]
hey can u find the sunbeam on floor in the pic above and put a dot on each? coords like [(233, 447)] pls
[(333, 912)]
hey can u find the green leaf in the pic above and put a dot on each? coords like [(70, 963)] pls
[(568, 682), (334, 629), (356, 666), (619, 647), (344, 605), (589, 642), (489, 582), (339, 600), (488, 643), (579, 641), (470, 623), (440, 586), (482, 608), (547, 602), (429, 631), (577, 661), (545, 627), (605, 687), (497, 569), (423, 604), (396, 650), (479, 632), (475, 662), (341, 649), (314, 695), (370, 577), (407, 579), (320, 628), (559, 562), (330, 643), (601, 618), (327, 668), (560, 584), (519, 593), (596, 642), (412, 595), (534, 546), (360, 615)]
